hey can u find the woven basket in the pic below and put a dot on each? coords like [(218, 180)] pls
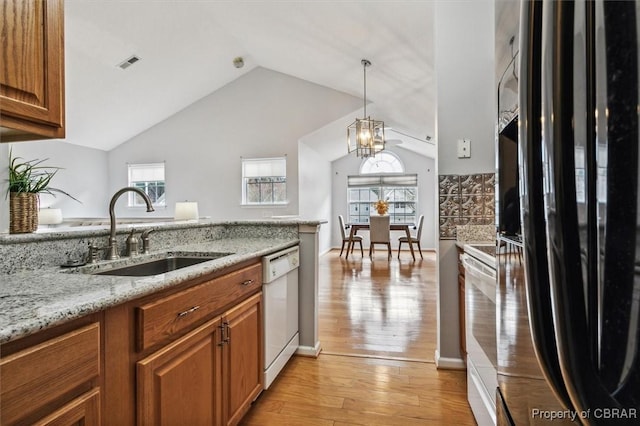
[(23, 212)]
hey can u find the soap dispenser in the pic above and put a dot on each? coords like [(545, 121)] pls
[(132, 244)]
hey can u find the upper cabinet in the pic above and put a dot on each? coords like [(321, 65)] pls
[(31, 70)]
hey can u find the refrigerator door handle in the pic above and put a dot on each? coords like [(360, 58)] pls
[(531, 198), (571, 283)]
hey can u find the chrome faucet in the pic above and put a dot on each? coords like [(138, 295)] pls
[(112, 252)]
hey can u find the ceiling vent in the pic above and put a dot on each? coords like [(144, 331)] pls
[(128, 62)]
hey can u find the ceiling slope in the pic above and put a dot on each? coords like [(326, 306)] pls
[(187, 48)]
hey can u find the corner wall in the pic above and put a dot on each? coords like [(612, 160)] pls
[(314, 177), (466, 109)]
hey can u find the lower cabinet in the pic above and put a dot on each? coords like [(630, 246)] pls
[(461, 305), (209, 376), (180, 383), (53, 377), (242, 362), (190, 355), (84, 410)]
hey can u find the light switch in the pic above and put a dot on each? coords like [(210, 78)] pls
[(464, 148)]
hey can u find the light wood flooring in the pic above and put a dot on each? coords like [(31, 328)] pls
[(377, 328)]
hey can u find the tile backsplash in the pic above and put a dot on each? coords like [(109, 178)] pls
[(465, 200)]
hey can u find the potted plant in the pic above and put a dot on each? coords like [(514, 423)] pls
[(27, 180)]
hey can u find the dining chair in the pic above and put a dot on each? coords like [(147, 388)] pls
[(414, 239), (379, 233), (345, 237)]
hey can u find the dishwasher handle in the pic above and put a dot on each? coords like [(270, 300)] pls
[(279, 264)]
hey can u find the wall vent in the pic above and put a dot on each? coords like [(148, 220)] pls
[(128, 62)]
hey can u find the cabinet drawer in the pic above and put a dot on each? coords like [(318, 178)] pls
[(37, 376), (173, 315)]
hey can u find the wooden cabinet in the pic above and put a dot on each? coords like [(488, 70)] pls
[(32, 70), (167, 317), (192, 354), (54, 379), (208, 377), (243, 362), (461, 305), (180, 384), (188, 355), (84, 410)]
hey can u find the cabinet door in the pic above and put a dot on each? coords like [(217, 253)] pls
[(32, 71), (243, 362), (177, 385), (39, 379), (84, 410)]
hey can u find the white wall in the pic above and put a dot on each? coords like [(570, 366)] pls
[(466, 108), (262, 114), (84, 175), (4, 187), (413, 163), (314, 176)]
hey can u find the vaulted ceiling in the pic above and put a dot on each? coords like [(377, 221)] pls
[(187, 48)]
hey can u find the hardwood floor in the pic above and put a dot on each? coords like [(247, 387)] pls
[(377, 328), (373, 307)]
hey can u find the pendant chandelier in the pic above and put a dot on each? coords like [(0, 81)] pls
[(365, 136)]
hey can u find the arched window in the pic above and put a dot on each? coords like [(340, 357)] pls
[(383, 177), (384, 162)]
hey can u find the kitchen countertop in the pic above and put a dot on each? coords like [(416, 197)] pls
[(34, 300), (48, 234)]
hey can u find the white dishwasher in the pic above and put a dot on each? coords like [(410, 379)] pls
[(280, 292)]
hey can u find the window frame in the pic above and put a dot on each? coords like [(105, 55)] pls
[(387, 186), (158, 201), (273, 168)]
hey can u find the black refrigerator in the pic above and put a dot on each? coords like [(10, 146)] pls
[(578, 286)]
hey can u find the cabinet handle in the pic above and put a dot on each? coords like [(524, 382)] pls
[(223, 340), (228, 334), (247, 282), (188, 311)]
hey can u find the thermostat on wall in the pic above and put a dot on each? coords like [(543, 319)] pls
[(464, 148)]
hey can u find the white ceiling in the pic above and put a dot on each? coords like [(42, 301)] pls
[(187, 47)]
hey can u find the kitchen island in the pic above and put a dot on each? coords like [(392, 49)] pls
[(34, 300), (80, 345), (36, 293)]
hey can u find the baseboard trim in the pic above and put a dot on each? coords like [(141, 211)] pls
[(443, 363), (310, 351), (327, 251)]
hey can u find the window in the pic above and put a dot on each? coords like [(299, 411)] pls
[(384, 162), (382, 178), (401, 191), (150, 179), (264, 181)]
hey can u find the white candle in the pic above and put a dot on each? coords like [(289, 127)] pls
[(49, 216), (186, 210)]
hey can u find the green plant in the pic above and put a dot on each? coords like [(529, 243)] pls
[(32, 177)]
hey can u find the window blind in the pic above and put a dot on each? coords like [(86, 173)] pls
[(146, 172), (264, 167), (382, 180)]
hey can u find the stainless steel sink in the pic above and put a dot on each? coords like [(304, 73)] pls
[(159, 266)]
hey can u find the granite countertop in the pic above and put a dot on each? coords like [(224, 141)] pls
[(34, 300), (47, 234)]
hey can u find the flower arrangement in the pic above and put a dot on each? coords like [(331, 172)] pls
[(382, 206)]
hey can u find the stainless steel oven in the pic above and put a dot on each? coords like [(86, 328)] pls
[(480, 312)]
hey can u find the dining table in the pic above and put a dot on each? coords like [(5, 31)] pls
[(355, 227)]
